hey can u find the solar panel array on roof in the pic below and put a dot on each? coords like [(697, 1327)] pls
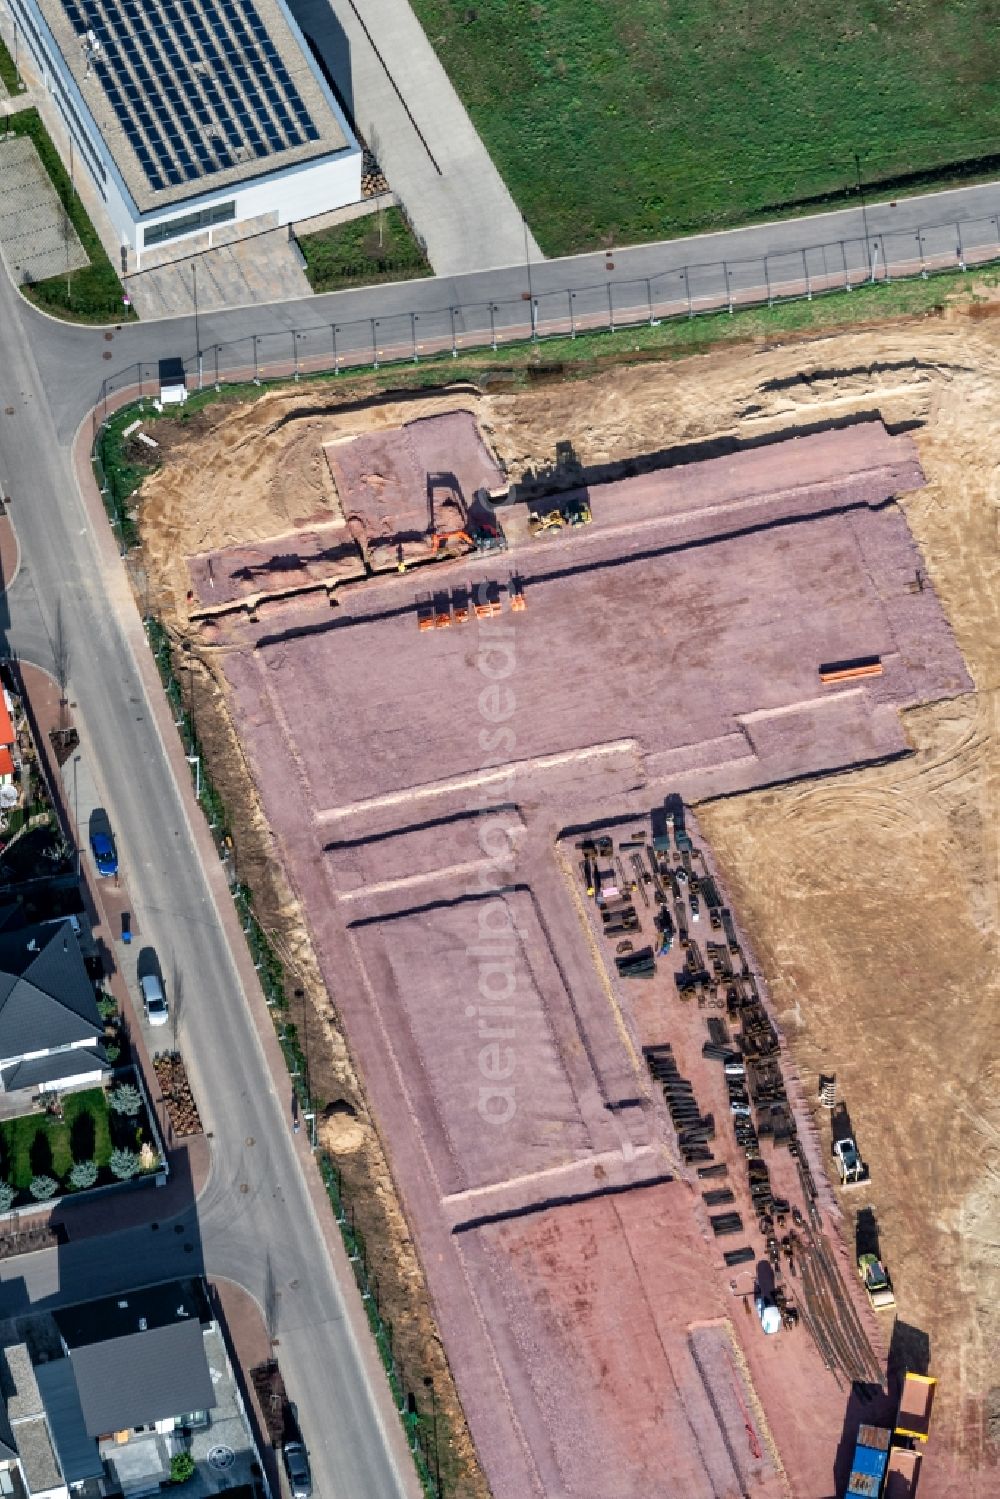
[(198, 86)]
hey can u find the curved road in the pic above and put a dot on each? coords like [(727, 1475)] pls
[(256, 1211)]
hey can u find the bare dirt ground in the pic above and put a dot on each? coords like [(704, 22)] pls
[(877, 919)]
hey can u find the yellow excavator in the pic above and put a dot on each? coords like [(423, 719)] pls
[(575, 512)]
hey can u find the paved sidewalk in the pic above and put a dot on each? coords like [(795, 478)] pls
[(452, 191), (256, 269), (190, 1159)]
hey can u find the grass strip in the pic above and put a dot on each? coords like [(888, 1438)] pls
[(379, 247)]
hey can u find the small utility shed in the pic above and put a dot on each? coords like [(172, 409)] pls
[(173, 382)]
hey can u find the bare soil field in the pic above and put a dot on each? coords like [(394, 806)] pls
[(875, 919)]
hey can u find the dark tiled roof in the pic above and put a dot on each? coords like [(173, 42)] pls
[(64, 1065), (46, 996), (145, 1377), (77, 1452), (133, 1311)]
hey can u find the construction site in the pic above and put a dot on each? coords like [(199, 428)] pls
[(618, 753)]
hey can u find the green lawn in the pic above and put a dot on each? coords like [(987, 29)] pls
[(651, 119), (8, 72), (94, 294), (38, 1144), (374, 248)]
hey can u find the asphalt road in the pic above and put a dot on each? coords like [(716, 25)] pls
[(939, 228), (255, 1217), (50, 376)]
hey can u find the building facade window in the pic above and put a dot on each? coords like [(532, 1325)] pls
[(188, 223)]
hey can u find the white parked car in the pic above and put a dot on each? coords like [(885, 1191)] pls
[(154, 1001)]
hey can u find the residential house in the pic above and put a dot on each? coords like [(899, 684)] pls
[(50, 1029), (119, 1388), (8, 740), (30, 1438)]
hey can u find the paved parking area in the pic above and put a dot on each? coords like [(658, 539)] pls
[(263, 268), (37, 239)]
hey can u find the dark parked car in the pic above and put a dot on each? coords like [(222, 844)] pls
[(297, 1468), (104, 853)]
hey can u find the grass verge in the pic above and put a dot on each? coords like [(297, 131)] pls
[(94, 293), (9, 75), (646, 121), (379, 247)]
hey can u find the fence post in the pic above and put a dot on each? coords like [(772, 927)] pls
[(805, 268), (611, 309), (649, 302), (729, 285), (960, 250), (374, 344), (493, 327), (413, 334), (571, 295), (847, 274), (767, 282)]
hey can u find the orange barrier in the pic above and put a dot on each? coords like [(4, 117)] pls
[(849, 671)]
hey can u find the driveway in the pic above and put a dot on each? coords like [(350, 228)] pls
[(263, 268)]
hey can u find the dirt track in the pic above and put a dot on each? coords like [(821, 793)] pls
[(877, 920)]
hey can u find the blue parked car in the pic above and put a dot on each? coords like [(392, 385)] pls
[(104, 853)]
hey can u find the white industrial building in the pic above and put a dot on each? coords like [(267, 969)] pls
[(192, 113)]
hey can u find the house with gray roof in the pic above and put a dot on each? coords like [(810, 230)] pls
[(121, 1386), (50, 1029)]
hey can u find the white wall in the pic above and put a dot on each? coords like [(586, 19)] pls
[(293, 193)]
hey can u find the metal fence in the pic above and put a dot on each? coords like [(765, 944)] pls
[(689, 291)]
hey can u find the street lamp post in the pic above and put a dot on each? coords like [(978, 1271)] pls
[(527, 263), (76, 814), (864, 214), (429, 1385), (197, 332)]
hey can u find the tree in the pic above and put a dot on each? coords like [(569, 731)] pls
[(60, 659), (43, 1187), (176, 1000), (125, 1099), (83, 1175), (7, 1195), (182, 1466), (124, 1164), (107, 1006)]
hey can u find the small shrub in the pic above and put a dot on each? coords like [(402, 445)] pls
[(124, 1164), (7, 1195), (112, 1051), (125, 1099), (43, 1187), (182, 1466), (149, 1157), (107, 1007), (83, 1175)]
